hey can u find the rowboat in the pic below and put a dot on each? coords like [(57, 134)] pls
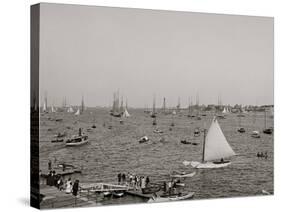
[(172, 198), (118, 194), (183, 175)]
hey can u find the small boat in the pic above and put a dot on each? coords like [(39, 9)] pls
[(183, 175), (196, 132), (77, 140), (57, 140), (268, 131), (241, 129), (194, 143), (266, 192), (172, 198), (118, 194), (151, 189), (107, 194), (180, 184), (154, 121), (184, 141), (60, 135), (157, 131), (255, 134), (94, 126), (220, 116), (143, 139), (240, 115)]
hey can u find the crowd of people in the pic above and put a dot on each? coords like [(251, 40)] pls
[(262, 155), (57, 180), (133, 180)]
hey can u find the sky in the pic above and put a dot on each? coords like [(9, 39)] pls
[(95, 51)]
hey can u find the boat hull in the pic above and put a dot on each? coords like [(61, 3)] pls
[(207, 165), (176, 198), (77, 143), (183, 175)]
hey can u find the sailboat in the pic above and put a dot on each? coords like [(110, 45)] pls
[(53, 109), (44, 107), (115, 107), (70, 110), (153, 112), (267, 130), (240, 129), (77, 112), (215, 147), (224, 110), (126, 113)]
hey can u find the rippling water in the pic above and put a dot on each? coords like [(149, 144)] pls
[(117, 150)]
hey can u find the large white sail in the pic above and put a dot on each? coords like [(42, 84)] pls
[(216, 145), (224, 110)]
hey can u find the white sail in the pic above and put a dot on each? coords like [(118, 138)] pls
[(44, 107), (126, 113), (224, 110), (53, 109), (174, 112), (216, 145), (70, 110), (77, 112)]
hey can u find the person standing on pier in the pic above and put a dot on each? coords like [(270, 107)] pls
[(68, 187), (147, 180), (119, 178), (170, 187), (123, 178), (50, 165), (75, 188), (142, 184)]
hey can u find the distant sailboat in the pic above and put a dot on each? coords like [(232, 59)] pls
[(267, 130), (153, 112), (77, 112), (115, 111), (70, 110), (126, 113), (53, 109), (215, 148), (224, 110), (44, 107)]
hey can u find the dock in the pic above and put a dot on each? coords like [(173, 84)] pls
[(53, 198)]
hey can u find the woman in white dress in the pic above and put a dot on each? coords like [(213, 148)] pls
[(68, 187)]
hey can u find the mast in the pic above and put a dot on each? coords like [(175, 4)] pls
[(164, 105), (204, 139), (264, 118), (82, 104)]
